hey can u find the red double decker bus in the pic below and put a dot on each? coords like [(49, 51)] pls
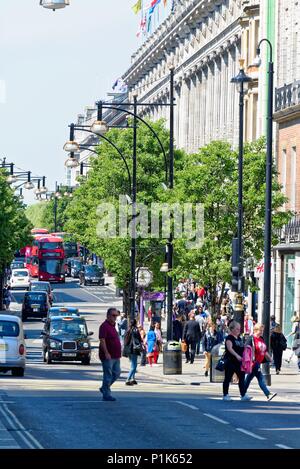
[(32, 256), (51, 259), (39, 231)]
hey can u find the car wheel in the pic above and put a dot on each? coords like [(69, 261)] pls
[(86, 361), (17, 372), (48, 358)]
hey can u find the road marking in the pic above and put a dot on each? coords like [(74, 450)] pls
[(283, 446), (280, 429), (250, 434), (217, 419), (187, 405), (10, 417)]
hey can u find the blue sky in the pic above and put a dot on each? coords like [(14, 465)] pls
[(52, 65)]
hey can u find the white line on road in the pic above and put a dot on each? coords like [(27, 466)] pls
[(283, 446), (217, 419), (281, 429), (95, 296), (187, 405), (250, 434)]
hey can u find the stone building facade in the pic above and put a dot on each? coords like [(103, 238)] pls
[(204, 39)]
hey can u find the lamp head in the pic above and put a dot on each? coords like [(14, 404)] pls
[(54, 4), (164, 267), (43, 190), (71, 162), (99, 128), (71, 146), (29, 185), (257, 60), (11, 179)]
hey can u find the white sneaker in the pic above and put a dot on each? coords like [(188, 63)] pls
[(227, 398), (246, 398), (271, 396)]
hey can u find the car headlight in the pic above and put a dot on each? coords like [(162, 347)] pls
[(55, 344), (85, 345)]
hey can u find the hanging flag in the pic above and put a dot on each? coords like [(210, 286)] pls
[(120, 86), (142, 28), (137, 7)]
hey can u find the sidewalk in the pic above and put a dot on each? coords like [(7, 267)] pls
[(286, 384)]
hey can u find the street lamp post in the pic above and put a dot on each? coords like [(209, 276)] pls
[(268, 207), (133, 221), (240, 80)]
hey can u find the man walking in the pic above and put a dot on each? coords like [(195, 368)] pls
[(109, 353)]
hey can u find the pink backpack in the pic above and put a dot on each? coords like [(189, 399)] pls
[(247, 361)]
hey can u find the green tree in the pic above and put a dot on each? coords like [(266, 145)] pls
[(210, 177), (36, 214), (105, 182), (14, 227), (47, 216)]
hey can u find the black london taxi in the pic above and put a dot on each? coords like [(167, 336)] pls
[(35, 305), (66, 338)]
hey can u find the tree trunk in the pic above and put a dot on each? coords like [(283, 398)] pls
[(126, 301), (221, 297)]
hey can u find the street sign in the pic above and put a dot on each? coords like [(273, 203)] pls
[(143, 277)]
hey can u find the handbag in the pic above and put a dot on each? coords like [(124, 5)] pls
[(126, 350), (184, 346), (222, 362)]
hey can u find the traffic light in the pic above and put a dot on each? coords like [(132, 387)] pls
[(235, 265)]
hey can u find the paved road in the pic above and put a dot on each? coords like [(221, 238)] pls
[(59, 405)]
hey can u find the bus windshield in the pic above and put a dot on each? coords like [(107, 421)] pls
[(51, 245), (53, 267)]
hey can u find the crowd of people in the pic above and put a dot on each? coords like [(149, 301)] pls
[(199, 331)]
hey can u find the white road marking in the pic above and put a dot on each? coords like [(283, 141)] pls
[(217, 419), (95, 296), (283, 446), (281, 429), (250, 434), (187, 405)]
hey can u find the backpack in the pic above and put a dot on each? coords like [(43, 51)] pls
[(247, 359), (283, 342)]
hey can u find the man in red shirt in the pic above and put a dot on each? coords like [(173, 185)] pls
[(109, 353)]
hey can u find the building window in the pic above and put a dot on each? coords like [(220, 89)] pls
[(293, 179)]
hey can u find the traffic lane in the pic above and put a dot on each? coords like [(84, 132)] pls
[(138, 419), (72, 292)]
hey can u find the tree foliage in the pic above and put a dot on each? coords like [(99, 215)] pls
[(36, 214)]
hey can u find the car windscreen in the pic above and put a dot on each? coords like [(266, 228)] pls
[(20, 273), (93, 270), (9, 328), (53, 267), (35, 297), (36, 286), (76, 264), (19, 265), (71, 327)]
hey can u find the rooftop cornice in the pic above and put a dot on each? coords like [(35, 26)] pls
[(177, 25)]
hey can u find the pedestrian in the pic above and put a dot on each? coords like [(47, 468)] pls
[(191, 336), (7, 297), (159, 341), (109, 353), (151, 344), (177, 328), (278, 345), (144, 349), (122, 324), (260, 355), (296, 339), (210, 340), (272, 322), (202, 323), (248, 324), (132, 349), (234, 348)]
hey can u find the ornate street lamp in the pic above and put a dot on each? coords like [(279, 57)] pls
[(54, 4), (241, 80)]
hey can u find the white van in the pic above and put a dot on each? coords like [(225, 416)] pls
[(20, 278), (12, 345)]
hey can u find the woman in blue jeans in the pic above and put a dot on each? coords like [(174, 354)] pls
[(133, 343), (260, 355)]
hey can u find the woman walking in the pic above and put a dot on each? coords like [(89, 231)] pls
[(278, 345), (260, 355), (151, 344), (132, 349), (234, 348), (159, 341)]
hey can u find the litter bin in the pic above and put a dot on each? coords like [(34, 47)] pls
[(216, 376), (172, 358)]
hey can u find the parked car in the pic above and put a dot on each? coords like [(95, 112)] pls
[(19, 278), (35, 305), (66, 339), (91, 275), (12, 345), (43, 286), (76, 267), (17, 265)]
